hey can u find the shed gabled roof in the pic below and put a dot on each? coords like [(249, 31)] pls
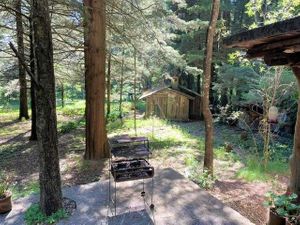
[(156, 90)]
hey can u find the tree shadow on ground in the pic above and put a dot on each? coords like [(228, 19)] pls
[(8, 123)]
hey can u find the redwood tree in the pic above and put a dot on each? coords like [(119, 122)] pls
[(23, 110), (208, 157), (96, 138), (49, 175)]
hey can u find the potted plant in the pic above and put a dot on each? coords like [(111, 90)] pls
[(282, 208), (5, 196)]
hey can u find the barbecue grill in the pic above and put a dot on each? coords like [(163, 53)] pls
[(126, 164), (132, 169), (129, 147)]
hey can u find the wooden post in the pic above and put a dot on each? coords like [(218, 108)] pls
[(295, 157)]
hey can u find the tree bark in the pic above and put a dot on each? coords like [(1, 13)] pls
[(121, 87), (208, 156), (49, 175), (295, 157), (134, 93), (108, 84), (96, 137), (62, 94), (33, 135), (23, 110)]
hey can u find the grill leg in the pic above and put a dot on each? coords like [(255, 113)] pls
[(115, 202), (143, 192), (109, 190), (152, 192)]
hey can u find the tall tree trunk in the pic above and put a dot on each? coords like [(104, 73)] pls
[(108, 84), (23, 110), (121, 86), (208, 157), (295, 157), (96, 137), (33, 135), (62, 94), (211, 91), (50, 182), (134, 93)]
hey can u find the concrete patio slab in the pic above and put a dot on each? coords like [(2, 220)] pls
[(177, 200)]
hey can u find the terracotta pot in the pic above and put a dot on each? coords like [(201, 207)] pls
[(5, 203), (274, 219)]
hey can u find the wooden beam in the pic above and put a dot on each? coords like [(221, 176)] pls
[(274, 32), (286, 46), (281, 58)]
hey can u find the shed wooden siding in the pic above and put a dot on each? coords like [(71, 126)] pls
[(196, 108), (168, 104)]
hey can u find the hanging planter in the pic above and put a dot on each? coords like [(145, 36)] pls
[(273, 114)]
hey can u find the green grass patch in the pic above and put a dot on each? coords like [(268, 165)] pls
[(254, 170), (28, 189), (67, 127), (76, 108), (34, 216), (221, 153), (10, 150)]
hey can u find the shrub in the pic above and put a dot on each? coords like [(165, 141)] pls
[(4, 184), (34, 216)]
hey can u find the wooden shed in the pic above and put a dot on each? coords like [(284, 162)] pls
[(170, 103)]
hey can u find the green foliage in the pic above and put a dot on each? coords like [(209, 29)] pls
[(284, 204), (221, 153), (34, 216), (268, 11), (76, 108), (141, 106), (205, 180), (67, 127), (25, 190), (4, 184)]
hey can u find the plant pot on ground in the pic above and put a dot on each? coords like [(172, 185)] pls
[(281, 208), (5, 202), (274, 218), (5, 195)]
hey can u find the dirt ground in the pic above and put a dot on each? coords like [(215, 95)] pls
[(18, 159)]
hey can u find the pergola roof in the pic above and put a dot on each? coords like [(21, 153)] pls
[(277, 43)]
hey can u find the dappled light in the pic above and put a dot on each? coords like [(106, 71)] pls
[(149, 112)]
